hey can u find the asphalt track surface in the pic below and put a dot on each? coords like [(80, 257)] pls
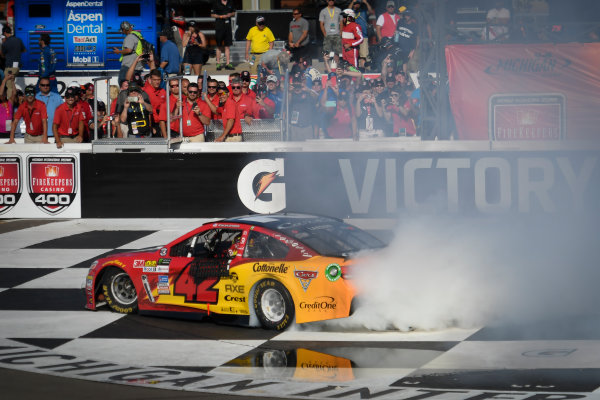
[(497, 381)]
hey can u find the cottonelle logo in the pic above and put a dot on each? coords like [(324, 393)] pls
[(258, 188), (52, 182), (10, 182)]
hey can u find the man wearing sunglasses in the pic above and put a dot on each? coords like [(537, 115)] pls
[(245, 103), (259, 40), (211, 97), (298, 36), (50, 98), (67, 124), (195, 115), (386, 23), (232, 128), (34, 114)]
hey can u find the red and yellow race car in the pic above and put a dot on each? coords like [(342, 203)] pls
[(266, 270)]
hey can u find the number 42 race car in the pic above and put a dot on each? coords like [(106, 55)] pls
[(266, 270)]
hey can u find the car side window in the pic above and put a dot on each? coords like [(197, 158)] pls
[(264, 246), (214, 243)]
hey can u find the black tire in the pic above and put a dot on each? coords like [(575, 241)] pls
[(273, 305), (119, 291)]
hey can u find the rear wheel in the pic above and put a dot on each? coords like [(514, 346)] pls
[(273, 305), (119, 291)]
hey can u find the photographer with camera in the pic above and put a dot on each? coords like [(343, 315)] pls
[(135, 114), (399, 112), (369, 113), (301, 110)]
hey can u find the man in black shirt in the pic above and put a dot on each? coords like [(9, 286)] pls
[(12, 47), (222, 11)]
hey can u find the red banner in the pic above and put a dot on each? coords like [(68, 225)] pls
[(525, 91)]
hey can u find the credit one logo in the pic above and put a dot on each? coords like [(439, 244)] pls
[(258, 189)]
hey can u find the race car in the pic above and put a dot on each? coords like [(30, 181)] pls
[(268, 270)]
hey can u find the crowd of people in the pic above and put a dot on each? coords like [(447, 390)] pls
[(364, 89)]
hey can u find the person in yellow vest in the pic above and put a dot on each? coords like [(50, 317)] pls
[(259, 40), (132, 48)]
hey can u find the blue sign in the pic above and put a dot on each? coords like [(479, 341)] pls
[(85, 33)]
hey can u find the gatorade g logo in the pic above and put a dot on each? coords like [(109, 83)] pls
[(258, 188), (52, 182), (10, 182)]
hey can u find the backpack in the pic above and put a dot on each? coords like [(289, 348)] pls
[(146, 47)]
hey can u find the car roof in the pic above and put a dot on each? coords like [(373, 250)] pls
[(273, 221)]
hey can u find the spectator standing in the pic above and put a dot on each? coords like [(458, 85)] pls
[(407, 38), (102, 119), (157, 97), (246, 80), (135, 115), (131, 49), (87, 94), (50, 98), (6, 108), (386, 23), (274, 94), (398, 113), (11, 50), (330, 22), (67, 124), (245, 104), (302, 111), (362, 10), (170, 61), (195, 44), (34, 114), (212, 97), (497, 19), (369, 113), (222, 11), (47, 65), (174, 104), (298, 37), (264, 107), (259, 40), (343, 122), (351, 38), (195, 115), (232, 127)]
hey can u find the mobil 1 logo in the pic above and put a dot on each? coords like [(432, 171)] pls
[(10, 182), (52, 182)]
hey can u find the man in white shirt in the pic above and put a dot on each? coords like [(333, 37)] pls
[(497, 19)]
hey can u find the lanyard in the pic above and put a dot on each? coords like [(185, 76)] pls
[(331, 14)]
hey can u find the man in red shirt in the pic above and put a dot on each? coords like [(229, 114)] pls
[(244, 102), (352, 37), (264, 107), (158, 96), (212, 97), (84, 109), (68, 123), (195, 115), (232, 128), (246, 80), (161, 117), (34, 114)]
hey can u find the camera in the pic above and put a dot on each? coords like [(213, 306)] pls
[(132, 99), (146, 56)]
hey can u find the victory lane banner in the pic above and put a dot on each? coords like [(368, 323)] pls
[(52, 183)]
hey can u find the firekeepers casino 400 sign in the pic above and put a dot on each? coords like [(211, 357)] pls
[(52, 182)]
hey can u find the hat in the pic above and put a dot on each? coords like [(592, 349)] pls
[(70, 93), (134, 87), (235, 80), (298, 77), (390, 3), (165, 32), (348, 12), (245, 75), (260, 20), (271, 78), (88, 86), (30, 90), (126, 26), (101, 106)]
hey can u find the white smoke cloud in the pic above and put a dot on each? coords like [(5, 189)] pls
[(441, 272)]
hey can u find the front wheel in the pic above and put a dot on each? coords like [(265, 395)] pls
[(119, 291), (273, 305)]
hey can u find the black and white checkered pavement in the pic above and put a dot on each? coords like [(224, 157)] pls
[(44, 328)]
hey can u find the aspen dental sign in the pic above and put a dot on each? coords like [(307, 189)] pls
[(85, 40)]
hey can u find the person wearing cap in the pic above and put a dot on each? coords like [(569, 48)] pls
[(274, 93), (50, 99), (10, 51), (264, 108), (222, 11), (352, 37), (342, 122), (68, 121), (259, 40), (407, 38), (102, 119), (362, 10), (386, 23), (301, 110), (135, 114), (298, 35), (34, 114), (132, 47), (245, 104), (330, 22), (87, 93), (230, 115), (195, 114), (246, 80), (170, 61)]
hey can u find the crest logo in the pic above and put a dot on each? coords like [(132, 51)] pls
[(305, 277), (52, 182)]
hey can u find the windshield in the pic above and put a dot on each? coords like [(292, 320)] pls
[(330, 237)]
